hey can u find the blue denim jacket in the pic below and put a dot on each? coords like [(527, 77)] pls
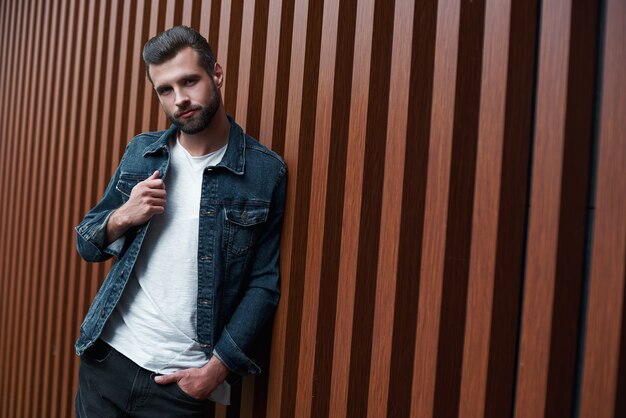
[(240, 219)]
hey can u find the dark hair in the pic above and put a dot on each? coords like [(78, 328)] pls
[(167, 44)]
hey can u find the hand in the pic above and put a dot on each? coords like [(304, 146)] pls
[(198, 382), (146, 200)]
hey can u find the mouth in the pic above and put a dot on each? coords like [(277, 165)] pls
[(185, 114)]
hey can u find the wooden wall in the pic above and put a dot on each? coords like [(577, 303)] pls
[(455, 234)]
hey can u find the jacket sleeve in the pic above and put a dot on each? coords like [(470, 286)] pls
[(91, 231), (261, 297)]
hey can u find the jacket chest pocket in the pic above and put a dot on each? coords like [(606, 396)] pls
[(127, 182), (242, 226)]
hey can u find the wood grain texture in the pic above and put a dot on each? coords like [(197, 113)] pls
[(486, 210), (543, 231), (436, 202), (454, 239), (604, 373)]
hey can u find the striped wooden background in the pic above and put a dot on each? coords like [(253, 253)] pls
[(455, 236)]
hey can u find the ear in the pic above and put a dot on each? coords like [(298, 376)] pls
[(218, 75)]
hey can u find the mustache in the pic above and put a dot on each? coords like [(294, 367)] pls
[(187, 109)]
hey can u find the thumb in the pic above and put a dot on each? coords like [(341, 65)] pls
[(165, 379), (155, 175)]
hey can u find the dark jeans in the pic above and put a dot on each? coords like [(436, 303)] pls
[(111, 385)]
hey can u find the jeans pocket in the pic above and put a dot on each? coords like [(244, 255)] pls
[(98, 352), (185, 395)]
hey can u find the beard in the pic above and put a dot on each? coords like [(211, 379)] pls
[(201, 120)]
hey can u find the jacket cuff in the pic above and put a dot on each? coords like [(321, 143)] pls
[(91, 241), (233, 356)]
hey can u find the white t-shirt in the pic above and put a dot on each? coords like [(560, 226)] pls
[(154, 323)]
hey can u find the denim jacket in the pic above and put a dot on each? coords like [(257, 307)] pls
[(240, 219)]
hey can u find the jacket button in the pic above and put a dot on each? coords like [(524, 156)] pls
[(208, 257)]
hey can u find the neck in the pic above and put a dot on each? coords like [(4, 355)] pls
[(212, 138)]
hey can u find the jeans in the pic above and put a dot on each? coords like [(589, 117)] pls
[(111, 385)]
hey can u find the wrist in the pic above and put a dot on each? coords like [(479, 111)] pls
[(217, 368), (119, 220)]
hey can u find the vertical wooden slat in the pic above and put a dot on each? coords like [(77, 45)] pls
[(352, 210), (257, 45), (413, 205), (278, 23), (315, 235), (506, 300), (78, 127), (138, 81), (20, 182), (149, 102), (391, 210), (61, 392), (4, 146), (221, 51), (299, 136), (44, 84), (16, 237), (486, 210), (275, 380), (544, 209), (602, 389), (245, 64), (32, 234), (433, 246), (52, 88)]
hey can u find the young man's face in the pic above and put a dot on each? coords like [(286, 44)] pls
[(190, 97)]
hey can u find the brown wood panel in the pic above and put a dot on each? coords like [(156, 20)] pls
[(512, 210), (333, 207), (33, 214), (254, 89), (72, 198), (18, 183), (275, 379), (460, 202), (315, 234), (54, 75), (486, 209), (412, 216), (602, 389), (391, 210), (61, 392), (570, 269), (544, 209), (4, 181), (568, 193), (436, 202), (353, 193)]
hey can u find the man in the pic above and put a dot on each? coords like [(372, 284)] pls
[(193, 216)]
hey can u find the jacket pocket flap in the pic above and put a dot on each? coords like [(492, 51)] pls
[(127, 181), (246, 215)]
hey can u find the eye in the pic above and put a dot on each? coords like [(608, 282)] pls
[(189, 82), (162, 91)]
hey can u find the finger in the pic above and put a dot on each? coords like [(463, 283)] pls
[(169, 378), (156, 193), (154, 175), (154, 183), (157, 202)]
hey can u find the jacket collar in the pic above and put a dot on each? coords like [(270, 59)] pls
[(235, 157)]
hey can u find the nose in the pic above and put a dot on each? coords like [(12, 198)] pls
[(182, 99)]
